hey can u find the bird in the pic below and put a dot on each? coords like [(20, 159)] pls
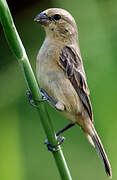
[(60, 72)]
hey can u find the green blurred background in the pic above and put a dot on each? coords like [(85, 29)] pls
[(23, 155)]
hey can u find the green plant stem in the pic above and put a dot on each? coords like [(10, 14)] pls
[(18, 49)]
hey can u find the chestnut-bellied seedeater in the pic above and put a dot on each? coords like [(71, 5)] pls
[(60, 73)]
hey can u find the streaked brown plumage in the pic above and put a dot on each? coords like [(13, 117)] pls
[(60, 72)]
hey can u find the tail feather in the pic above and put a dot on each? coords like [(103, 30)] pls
[(102, 153)]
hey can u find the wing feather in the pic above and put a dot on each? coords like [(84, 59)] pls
[(72, 65)]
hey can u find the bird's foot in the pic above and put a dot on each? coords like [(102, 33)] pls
[(31, 101), (45, 97), (54, 148)]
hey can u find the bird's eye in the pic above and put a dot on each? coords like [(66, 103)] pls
[(57, 17)]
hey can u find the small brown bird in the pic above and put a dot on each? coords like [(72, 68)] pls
[(60, 73)]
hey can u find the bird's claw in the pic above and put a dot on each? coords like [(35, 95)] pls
[(31, 101), (53, 148), (45, 97)]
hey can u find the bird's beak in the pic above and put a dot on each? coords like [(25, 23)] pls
[(42, 18)]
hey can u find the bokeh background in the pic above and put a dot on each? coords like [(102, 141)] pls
[(23, 155)]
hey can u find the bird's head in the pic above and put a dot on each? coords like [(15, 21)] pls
[(58, 23)]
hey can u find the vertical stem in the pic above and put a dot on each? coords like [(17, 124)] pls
[(18, 49)]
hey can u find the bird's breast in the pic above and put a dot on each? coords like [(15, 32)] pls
[(54, 80)]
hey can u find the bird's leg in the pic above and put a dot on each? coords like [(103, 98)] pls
[(65, 128), (45, 97), (61, 139), (58, 105)]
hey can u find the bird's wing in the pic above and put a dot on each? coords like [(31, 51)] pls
[(71, 63)]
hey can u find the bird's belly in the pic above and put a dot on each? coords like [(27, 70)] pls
[(58, 86)]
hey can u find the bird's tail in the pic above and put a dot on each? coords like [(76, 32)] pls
[(96, 142)]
